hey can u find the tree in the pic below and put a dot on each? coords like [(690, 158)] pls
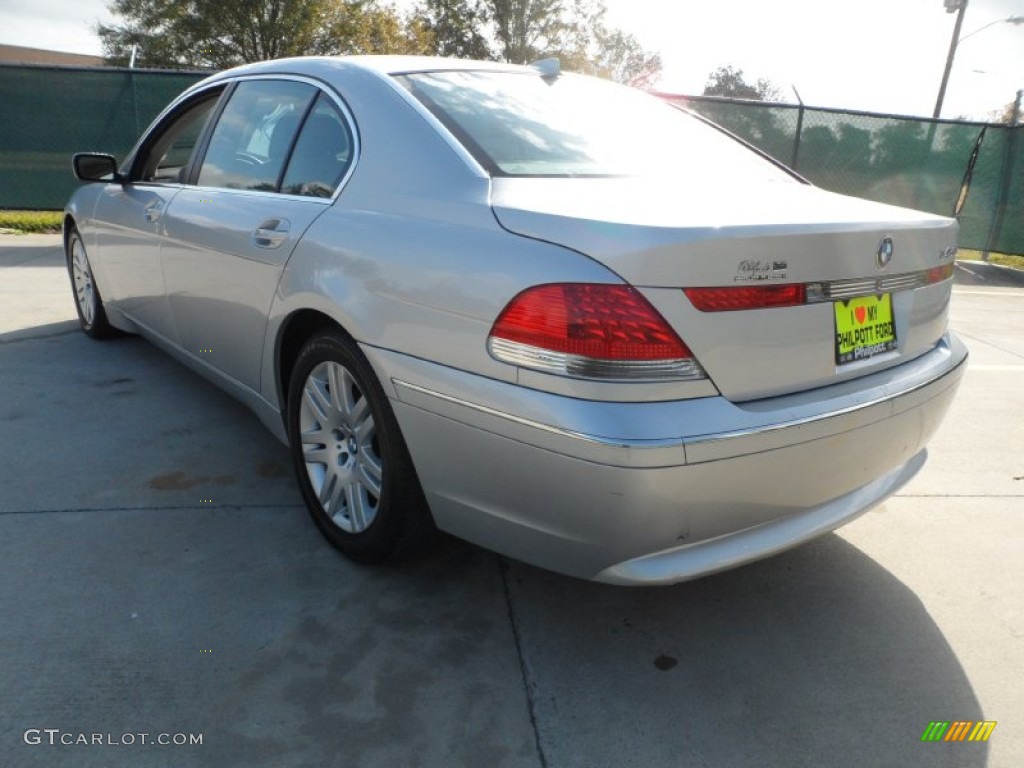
[(728, 81), (1004, 114), (594, 48), (224, 33), (527, 30), (382, 30), (576, 32), (457, 28)]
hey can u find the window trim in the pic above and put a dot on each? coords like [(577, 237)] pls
[(204, 141), (136, 160), (322, 87)]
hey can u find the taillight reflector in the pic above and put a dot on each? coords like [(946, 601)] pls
[(747, 297), (938, 274)]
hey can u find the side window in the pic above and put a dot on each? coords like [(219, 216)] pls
[(166, 158), (322, 153), (251, 140)]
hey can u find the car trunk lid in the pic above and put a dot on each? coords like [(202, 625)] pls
[(662, 237)]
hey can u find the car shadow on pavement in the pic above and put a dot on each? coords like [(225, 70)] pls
[(31, 251), (816, 657), (160, 575)]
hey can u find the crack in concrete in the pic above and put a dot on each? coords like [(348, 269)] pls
[(503, 567)]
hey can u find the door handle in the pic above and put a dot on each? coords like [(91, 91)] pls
[(271, 233), (153, 211)]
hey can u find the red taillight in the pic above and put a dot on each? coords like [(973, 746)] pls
[(938, 274), (609, 322), (590, 330), (747, 297)]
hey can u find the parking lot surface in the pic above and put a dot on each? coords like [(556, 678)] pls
[(160, 576)]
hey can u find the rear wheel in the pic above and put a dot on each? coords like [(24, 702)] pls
[(351, 462), (91, 314)]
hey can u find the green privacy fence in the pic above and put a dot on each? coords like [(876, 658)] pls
[(913, 162), (49, 113)]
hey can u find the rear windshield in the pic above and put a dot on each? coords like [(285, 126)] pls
[(522, 124)]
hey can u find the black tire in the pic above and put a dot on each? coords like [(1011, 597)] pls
[(82, 283), (363, 525)]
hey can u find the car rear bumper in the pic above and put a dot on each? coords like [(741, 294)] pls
[(655, 493)]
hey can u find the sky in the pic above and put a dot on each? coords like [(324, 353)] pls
[(873, 55)]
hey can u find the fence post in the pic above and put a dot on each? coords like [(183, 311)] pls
[(799, 130), (1006, 177)]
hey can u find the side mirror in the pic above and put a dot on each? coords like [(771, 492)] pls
[(90, 166)]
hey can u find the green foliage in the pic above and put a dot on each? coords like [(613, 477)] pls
[(457, 28), (620, 57), (31, 221), (223, 33), (902, 146), (527, 30), (728, 81), (1003, 259), (576, 32), (594, 48)]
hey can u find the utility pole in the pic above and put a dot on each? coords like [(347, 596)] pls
[(958, 6)]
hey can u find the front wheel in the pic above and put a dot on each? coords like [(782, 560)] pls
[(352, 465), (91, 314)]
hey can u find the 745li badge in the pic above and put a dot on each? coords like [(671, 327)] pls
[(864, 328)]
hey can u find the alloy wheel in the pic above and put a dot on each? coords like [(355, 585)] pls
[(85, 289), (340, 448)]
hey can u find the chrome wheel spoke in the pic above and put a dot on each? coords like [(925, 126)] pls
[(336, 382), (314, 452), (370, 473), (338, 491), (318, 401), (358, 414), (363, 431), (330, 492), (359, 511)]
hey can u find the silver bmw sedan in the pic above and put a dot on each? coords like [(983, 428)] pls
[(548, 314)]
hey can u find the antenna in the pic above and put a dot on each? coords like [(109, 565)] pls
[(548, 67)]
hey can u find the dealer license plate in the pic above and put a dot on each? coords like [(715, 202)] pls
[(864, 328)]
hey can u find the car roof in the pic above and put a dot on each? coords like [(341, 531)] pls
[(326, 66)]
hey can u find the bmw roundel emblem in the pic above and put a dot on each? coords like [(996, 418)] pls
[(884, 255)]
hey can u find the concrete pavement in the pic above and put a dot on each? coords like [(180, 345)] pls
[(159, 575)]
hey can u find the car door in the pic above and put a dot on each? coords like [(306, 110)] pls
[(128, 219), (276, 158)]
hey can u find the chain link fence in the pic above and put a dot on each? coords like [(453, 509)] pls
[(49, 113), (913, 162)]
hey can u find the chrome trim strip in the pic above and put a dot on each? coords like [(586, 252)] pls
[(680, 441), (604, 441), (848, 289)]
